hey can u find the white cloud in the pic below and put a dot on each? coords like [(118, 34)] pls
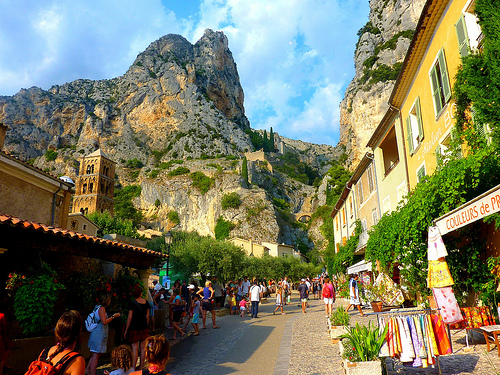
[(294, 57)]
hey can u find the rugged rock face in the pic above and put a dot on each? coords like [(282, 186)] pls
[(172, 88), (381, 49), (178, 105)]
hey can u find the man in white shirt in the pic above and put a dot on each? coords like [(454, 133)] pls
[(245, 286), (255, 296)]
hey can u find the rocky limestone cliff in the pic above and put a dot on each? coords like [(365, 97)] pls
[(174, 92), (381, 49), (178, 105)]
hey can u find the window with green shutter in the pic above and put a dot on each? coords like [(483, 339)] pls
[(440, 83), (414, 127), (463, 38), (421, 173)]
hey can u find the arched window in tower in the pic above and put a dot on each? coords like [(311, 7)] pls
[(82, 210), (86, 211), (88, 169), (91, 187), (84, 188), (92, 169), (107, 189)]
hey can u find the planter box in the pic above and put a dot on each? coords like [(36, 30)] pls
[(376, 306), (337, 331), (362, 368)]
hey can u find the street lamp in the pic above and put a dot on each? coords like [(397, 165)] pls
[(168, 242)]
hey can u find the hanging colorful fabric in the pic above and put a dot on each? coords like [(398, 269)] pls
[(447, 303), (439, 274), (435, 244), (442, 339)]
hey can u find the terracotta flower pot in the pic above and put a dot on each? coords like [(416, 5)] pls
[(376, 306)]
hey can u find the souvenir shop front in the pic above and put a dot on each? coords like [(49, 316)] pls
[(418, 337)]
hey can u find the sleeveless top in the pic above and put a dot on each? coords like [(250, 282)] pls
[(206, 292)]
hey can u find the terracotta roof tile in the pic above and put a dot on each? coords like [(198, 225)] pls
[(14, 221)]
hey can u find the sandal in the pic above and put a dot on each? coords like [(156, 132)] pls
[(216, 327)]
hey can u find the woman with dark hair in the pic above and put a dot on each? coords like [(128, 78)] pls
[(136, 330), (67, 334), (157, 350), (98, 339)]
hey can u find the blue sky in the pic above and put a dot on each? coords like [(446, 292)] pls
[(294, 57)]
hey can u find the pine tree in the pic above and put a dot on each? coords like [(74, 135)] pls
[(244, 170)]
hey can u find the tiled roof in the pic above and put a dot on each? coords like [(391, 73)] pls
[(17, 222)]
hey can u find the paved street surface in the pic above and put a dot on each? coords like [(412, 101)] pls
[(298, 344)]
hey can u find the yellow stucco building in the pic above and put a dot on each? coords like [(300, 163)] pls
[(422, 93)]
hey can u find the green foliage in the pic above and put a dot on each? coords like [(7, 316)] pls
[(244, 170), (477, 82), (179, 171), (368, 28), (294, 168), (124, 208), (281, 203), (154, 173), (134, 163), (202, 182), (35, 298), (157, 203), (383, 73), (261, 141), (223, 228), (366, 340), (192, 253), (231, 200), (401, 237), (50, 155), (173, 216), (269, 267), (340, 317), (109, 224), (337, 263)]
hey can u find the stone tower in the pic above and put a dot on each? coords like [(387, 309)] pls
[(95, 184)]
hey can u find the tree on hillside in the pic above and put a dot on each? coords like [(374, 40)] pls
[(244, 170)]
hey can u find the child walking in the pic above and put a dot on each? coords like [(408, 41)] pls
[(279, 301), (243, 306), (196, 315), (121, 361)]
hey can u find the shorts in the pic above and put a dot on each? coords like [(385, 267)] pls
[(328, 301), (207, 306), (234, 308), (177, 316), (243, 308), (196, 317), (303, 300)]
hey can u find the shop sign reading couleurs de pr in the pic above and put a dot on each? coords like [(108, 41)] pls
[(481, 206)]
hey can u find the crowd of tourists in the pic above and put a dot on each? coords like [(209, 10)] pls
[(186, 304)]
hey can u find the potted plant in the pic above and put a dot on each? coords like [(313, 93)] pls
[(374, 293), (361, 346), (338, 321)]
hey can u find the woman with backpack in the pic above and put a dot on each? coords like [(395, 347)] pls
[(62, 357), (328, 296), (98, 339), (136, 330)]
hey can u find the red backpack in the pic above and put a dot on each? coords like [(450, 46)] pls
[(42, 367), (327, 292)]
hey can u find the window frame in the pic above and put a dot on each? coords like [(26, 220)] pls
[(440, 83)]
